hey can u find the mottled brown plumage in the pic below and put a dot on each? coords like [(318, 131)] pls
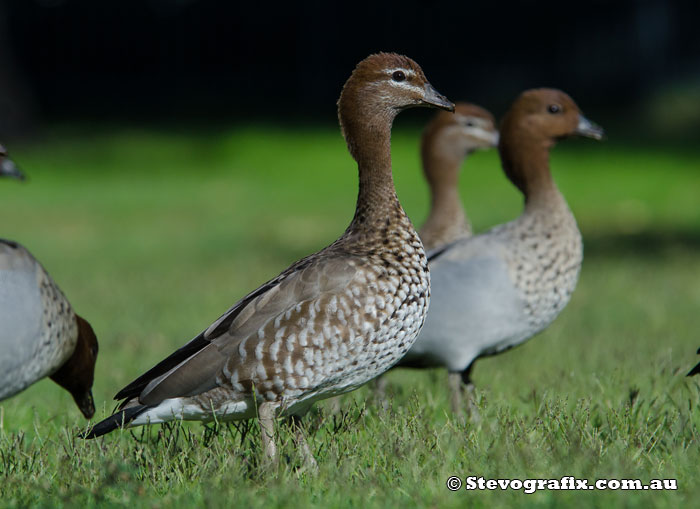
[(330, 322)]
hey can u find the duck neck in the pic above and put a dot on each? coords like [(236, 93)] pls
[(526, 163), (447, 219), (370, 145)]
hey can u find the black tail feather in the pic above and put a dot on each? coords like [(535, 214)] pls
[(696, 369), (134, 389), (114, 421)]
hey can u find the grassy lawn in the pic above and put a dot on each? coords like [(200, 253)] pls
[(152, 234)]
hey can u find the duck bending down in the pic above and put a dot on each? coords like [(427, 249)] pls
[(446, 142), (330, 322), (495, 290), (40, 334)]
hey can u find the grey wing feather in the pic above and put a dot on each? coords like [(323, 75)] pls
[(158, 372), (199, 372)]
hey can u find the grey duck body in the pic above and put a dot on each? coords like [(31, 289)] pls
[(497, 289), (39, 330)]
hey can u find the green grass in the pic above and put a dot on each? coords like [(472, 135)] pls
[(153, 234)]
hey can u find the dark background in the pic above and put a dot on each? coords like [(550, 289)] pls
[(634, 63)]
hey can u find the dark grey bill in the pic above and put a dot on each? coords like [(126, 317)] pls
[(434, 98), (589, 129), (10, 169)]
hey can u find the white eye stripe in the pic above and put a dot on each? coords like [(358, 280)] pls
[(406, 85), (475, 121)]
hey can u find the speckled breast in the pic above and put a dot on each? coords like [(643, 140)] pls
[(546, 266)]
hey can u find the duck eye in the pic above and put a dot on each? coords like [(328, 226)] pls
[(553, 108), (469, 123), (398, 76)]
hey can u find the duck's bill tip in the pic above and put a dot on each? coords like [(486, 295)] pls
[(432, 97), (9, 169), (589, 129), (85, 403)]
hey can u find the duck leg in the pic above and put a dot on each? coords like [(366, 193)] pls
[(266, 416), (462, 388), (454, 381), (380, 387), (468, 388), (334, 407), (302, 446), (471, 408)]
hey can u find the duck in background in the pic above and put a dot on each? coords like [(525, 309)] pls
[(495, 290), (446, 143), (8, 168), (40, 334), (333, 320)]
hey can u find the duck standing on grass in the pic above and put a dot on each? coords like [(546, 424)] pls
[(40, 334), (495, 290), (330, 322)]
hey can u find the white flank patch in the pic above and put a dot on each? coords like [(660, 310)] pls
[(182, 409)]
